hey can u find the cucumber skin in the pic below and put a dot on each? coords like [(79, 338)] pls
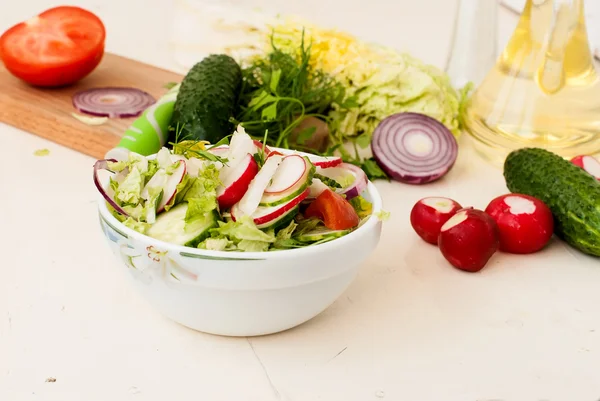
[(571, 193), (282, 221), (316, 236), (206, 100), (206, 233)]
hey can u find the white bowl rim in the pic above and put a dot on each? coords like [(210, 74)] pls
[(369, 224)]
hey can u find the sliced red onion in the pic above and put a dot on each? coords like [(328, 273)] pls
[(113, 102), (103, 165), (414, 148), (337, 173)]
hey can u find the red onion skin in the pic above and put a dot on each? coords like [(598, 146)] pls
[(103, 165), (358, 186), (408, 177)]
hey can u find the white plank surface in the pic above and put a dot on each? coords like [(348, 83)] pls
[(410, 328)]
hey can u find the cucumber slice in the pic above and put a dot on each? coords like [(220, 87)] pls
[(170, 227), (321, 233), (281, 221), (270, 200)]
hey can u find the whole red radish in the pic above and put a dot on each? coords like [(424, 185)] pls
[(589, 164), (428, 216), (525, 223), (469, 239)]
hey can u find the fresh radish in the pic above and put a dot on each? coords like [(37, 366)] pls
[(469, 239), (263, 215), (525, 223), (107, 193), (235, 180), (414, 148), (325, 162), (589, 164), (428, 216), (249, 202), (170, 185), (290, 171)]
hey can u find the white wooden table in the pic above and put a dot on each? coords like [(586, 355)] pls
[(410, 328)]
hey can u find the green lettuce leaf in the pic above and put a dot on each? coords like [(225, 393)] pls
[(362, 207), (129, 191), (253, 246), (138, 226), (202, 194), (242, 229), (217, 244)]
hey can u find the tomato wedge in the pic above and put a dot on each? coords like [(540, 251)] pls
[(335, 211), (55, 48)]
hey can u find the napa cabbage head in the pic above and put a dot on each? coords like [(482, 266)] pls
[(379, 80)]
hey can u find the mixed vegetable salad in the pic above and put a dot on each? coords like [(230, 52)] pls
[(240, 196)]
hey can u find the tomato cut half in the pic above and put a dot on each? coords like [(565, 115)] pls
[(335, 211), (55, 48)]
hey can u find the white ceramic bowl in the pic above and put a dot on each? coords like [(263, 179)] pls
[(241, 293)]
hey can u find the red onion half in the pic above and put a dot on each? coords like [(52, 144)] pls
[(112, 102), (103, 165), (414, 148)]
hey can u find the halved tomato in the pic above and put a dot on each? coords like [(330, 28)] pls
[(55, 48), (335, 211)]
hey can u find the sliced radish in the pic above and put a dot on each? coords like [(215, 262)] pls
[(235, 180), (158, 180), (241, 145), (107, 193), (325, 162), (428, 216), (259, 147), (414, 148), (279, 198), (249, 202), (469, 239), (220, 151), (589, 164), (170, 188), (525, 223), (290, 171), (264, 215)]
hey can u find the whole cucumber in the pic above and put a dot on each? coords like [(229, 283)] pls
[(207, 100), (571, 193)]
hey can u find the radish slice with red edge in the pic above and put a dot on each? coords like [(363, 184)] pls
[(289, 172), (325, 162), (170, 186), (414, 148), (235, 180), (103, 165), (589, 164), (112, 102), (251, 199)]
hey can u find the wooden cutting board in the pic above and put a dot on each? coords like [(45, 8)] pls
[(47, 112)]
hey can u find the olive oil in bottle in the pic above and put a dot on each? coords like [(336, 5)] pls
[(544, 90)]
